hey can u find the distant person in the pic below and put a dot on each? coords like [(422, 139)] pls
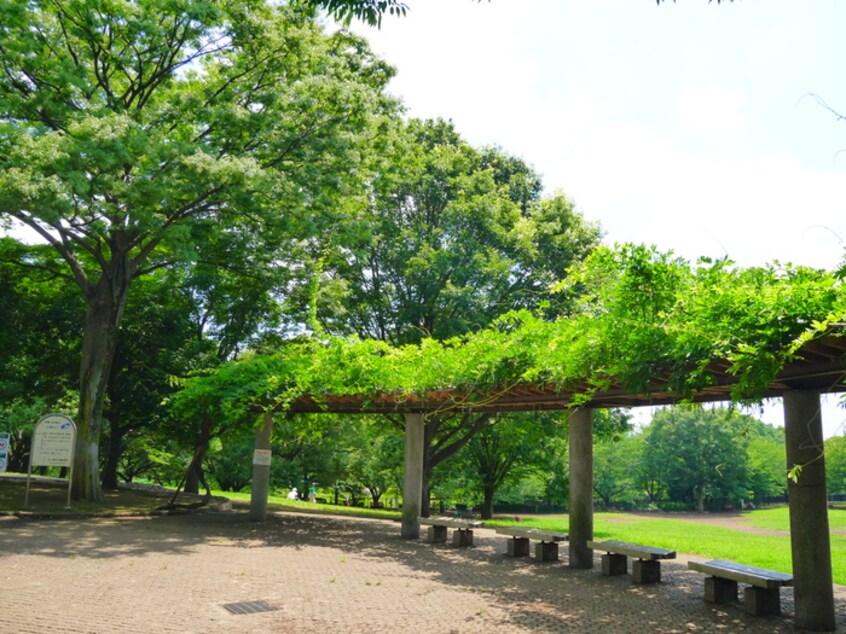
[(293, 494), (312, 493)]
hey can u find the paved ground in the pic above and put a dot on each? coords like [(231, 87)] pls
[(324, 574)]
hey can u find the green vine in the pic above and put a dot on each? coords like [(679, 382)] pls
[(641, 316)]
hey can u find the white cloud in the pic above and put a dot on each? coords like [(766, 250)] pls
[(711, 109)]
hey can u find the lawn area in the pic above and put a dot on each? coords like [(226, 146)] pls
[(717, 542), (281, 503), (778, 518)]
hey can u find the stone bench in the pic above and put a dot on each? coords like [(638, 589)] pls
[(761, 598), (546, 548), (462, 534), (647, 565)]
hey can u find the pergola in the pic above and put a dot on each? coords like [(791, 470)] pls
[(819, 367)]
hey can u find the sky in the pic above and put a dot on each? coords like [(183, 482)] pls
[(698, 127)]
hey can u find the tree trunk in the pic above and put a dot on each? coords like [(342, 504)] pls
[(115, 449), (699, 492), (105, 302), (487, 505), (434, 455), (426, 497), (194, 476)]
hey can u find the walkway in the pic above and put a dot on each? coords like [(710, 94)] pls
[(323, 575)]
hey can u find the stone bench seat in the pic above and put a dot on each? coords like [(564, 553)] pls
[(761, 598), (647, 565), (463, 530), (546, 548)]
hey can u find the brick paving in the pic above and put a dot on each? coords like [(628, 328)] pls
[(324, 574)]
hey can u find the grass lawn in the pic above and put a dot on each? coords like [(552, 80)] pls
[(282, 503), (714, 542)]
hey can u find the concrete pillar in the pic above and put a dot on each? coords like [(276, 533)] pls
[(412, 488), (261, 470), (809, 534), (581, 488)]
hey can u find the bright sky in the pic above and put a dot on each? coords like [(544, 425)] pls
[(689, 125)]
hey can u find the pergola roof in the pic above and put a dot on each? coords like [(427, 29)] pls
[(820, 366)]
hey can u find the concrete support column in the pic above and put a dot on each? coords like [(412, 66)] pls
[(412, 488), (809, 534), (261, 470), (581, 488)]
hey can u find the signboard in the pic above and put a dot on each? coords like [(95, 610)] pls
[(53, 441), (4, 450), (261, 457)]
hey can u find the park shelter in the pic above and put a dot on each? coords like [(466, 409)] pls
[(818, 366)]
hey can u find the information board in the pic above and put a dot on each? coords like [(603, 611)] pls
[(53, 441)]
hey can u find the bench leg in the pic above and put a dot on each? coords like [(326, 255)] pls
[(646, 570), (518, 547), (614, 564), (437, 534), (462, 537), (546, 551), (761, 601), (720, 590)]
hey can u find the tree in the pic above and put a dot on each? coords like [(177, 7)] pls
[(766, 461), (506, 450), (128, 131), (371, 11), (835, 465), (613, 475), (234, 306), (156, 341), (700, 454), (40, 338), (375, 459), (452, 238)]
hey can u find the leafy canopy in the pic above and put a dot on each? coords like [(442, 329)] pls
[(641, 315)]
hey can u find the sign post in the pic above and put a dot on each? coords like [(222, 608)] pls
[(5, 437), (53, 442)]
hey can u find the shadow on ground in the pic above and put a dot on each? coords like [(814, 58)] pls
[(536, 597)]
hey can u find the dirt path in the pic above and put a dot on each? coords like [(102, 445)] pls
[(734, 521)]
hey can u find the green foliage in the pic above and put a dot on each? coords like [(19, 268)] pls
[(699, 455), (766, 467), (370, 11), (642, 316), (452, 238), (40, 313), (506, 449), (835, 464), (375, 457), (135, 135), (615, 463), (231, 464)]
